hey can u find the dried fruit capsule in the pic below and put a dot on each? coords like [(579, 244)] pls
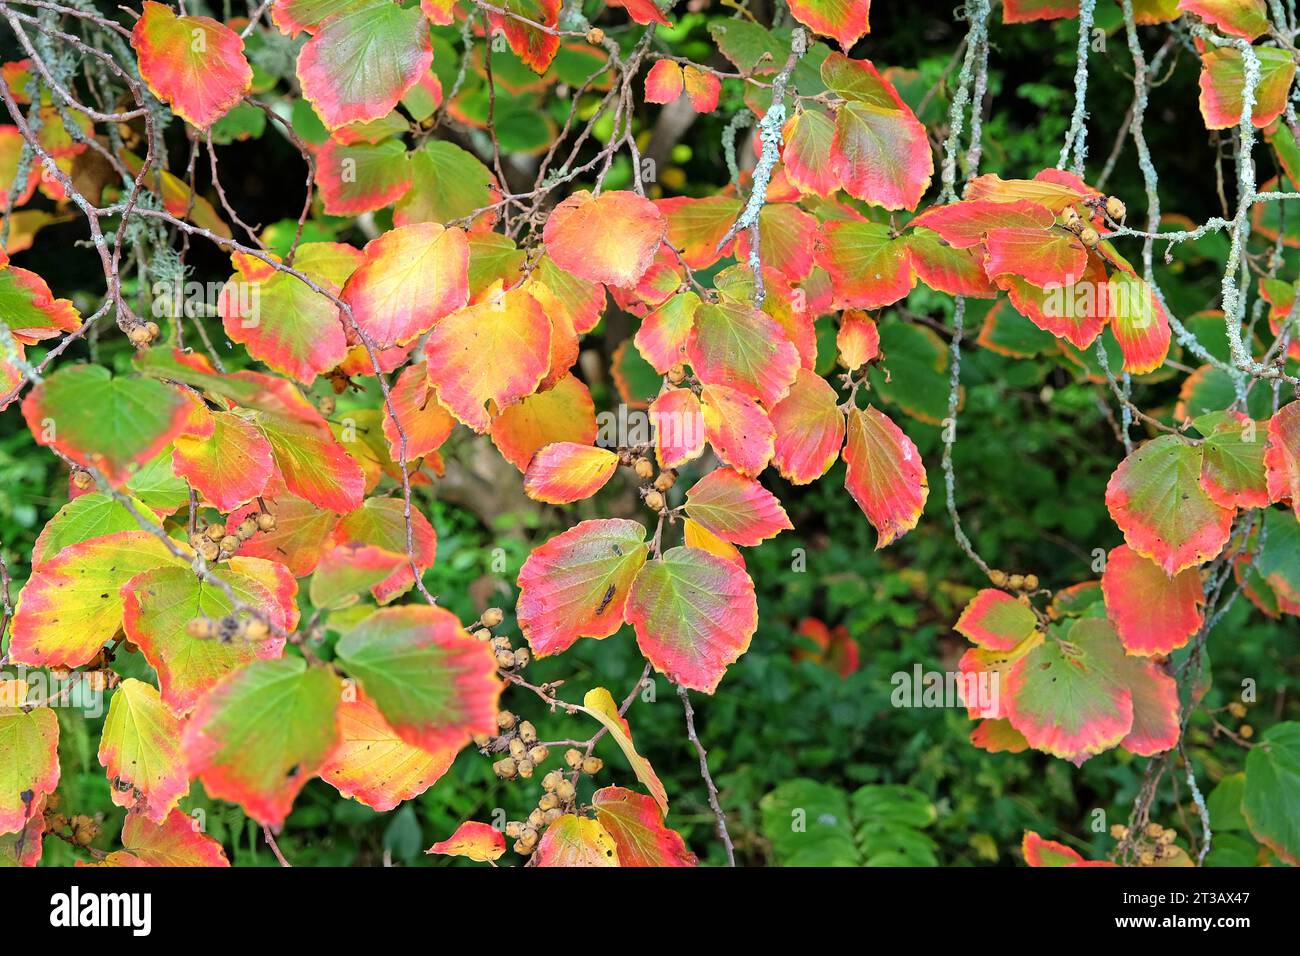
[(677, 374), (247, 528), (492, 617), (654, 501), (1237, 709), (595, 36), (209, 550), (506, 720), (573, 758), (536, 818), (266, 521), (998, 578), (514, 829), (481, 740), (1118, 831), (1246, 731), (526, 768), (665, 480), (256, 629), (644, 468), (566, 791), (1115, 208), (505, 768), (230, 544), (215, 531), (1016, 582), (81, 478), (1089, 237), (522, 657), (527, 732), (538, 754), (550, 816), (505, 660), (552, 780), (592, 765), (548, 801), (518, 748), (201, 628), (326, 405), (1031, 582), (499, 643)]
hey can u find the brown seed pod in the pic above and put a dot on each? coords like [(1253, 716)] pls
[(518, 749), (265, 521), (527, 732), (592, 765), (552, 780), (1089, 237), (492, 617), (526, 768), (505, 660), (573, 758), (1115, 209), (677, 374), (505, 768), (654, 501), (81, 478), (595, 36), (538, 754), (506, 720), (644, 468), (247, 528)]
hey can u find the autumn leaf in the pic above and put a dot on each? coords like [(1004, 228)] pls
[(738, 429), (576, 841), (488, 356), (610, 238), (564, 472), (72, 606), (475, 841), (105, 422), (736, 508), (995, 620), (809, 429), (177, 841), (194, 64), (375, 766), (362, 59), (885, 474), (1156, 498), (159, 603), (694, 614), (411, 277), (434, 684), (262, 733), (576, 584), (229, 467), (636, 826), (29, 756), (140, 749)]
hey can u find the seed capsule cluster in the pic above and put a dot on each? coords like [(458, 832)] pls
[(654, 487), (215, 543), (518, 740), (1013, 582), (1157, 842), (144, 334), (509, 657)]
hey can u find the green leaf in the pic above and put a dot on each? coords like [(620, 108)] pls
[(1271, 801), (104, 422), (435, 685), (262, 733)]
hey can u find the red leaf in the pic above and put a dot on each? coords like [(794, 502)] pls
[(845, 20), (476, 841), (636, 825), (576, 584), (738, 429), (1152, 612), (737, 346), (885, 474), (677, 422), (194, 64), (736, 508), (1282, 458), (809, 429), (694, 614)]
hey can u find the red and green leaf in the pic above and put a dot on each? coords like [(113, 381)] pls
[(694, 614), (885, 476), (193, 64)]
